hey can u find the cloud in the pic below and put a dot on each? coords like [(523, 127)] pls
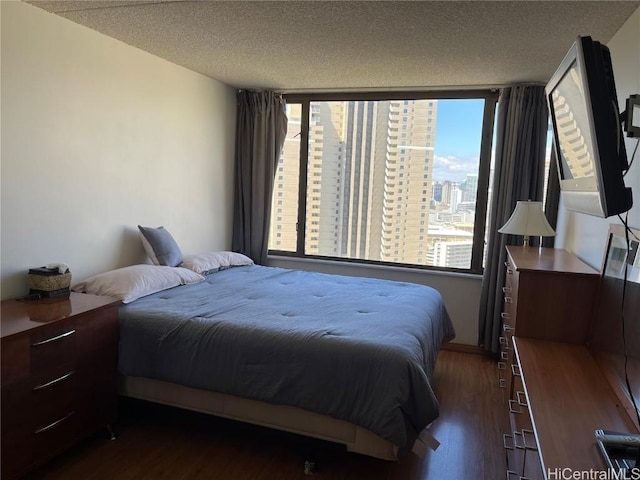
[(453, 168)]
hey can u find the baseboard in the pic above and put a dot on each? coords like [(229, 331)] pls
[(463, 348)]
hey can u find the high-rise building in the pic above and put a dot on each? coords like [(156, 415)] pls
[(470, 189), (284, 211), (345, 179), (408, 178), (455, 197), (369, 180), (446, 192), (325, 178), (452, 254), (437, 191)]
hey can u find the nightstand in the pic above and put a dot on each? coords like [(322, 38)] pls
[(59, 375)]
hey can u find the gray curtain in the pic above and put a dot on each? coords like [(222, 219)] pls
[(261, 128), (518, 175)]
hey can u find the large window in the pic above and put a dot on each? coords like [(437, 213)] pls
[(391, 178)]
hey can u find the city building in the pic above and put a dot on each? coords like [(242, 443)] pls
[(369, 175)]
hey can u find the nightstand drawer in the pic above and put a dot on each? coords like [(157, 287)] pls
[(35, 401), (52, 346), (55, 435), (53, 396)]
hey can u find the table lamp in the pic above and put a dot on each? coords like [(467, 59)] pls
[(528, 219)]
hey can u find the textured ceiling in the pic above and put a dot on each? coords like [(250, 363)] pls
[(339, 45)]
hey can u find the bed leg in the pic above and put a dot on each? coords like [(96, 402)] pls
[(112, 434), (309, 466)]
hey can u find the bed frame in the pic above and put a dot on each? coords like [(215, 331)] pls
[(281, 417)]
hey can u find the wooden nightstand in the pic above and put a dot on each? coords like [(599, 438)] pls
[(59, 375)]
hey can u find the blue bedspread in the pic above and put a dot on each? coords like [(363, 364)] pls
[(358, 349)]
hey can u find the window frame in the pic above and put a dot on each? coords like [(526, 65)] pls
[(490, 97)]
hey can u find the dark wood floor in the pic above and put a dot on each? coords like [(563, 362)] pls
[(157, 442)]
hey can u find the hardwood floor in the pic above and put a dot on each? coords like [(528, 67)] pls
[(157, 442)]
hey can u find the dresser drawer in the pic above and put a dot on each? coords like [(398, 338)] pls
[(55, 435), (29, 404), (53, 345), (54, 395)]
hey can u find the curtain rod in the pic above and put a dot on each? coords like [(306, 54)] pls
[(408, 89)]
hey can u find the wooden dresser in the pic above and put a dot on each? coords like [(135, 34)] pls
[(58, 382), (557, 394), (548, 294)]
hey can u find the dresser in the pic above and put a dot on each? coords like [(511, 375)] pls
[(556, 394), (548, 294), (59, 380)]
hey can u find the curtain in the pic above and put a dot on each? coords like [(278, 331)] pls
[(518, 175), (261, 128)]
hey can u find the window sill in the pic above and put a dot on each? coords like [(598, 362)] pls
[(367, 266)]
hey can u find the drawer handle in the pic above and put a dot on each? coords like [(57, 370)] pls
[(515, 442), (507, 300), (504, 441), (506, 289), (515, 370), (513, 410), (502, 366), (53, 339), (524, 440), (54, 424), (505, 315), (504, 355), (503, 340), (502, 383), (506, 328), (53, 382), (522, 403)]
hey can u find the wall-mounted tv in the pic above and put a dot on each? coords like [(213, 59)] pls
[(587, 130)]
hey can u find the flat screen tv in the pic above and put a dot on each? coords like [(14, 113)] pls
[(587, 131)]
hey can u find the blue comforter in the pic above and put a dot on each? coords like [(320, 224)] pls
[(358, 349)]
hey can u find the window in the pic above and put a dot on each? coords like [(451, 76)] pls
[(443, 162)]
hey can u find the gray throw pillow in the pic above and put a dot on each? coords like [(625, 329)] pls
[(160, 246)]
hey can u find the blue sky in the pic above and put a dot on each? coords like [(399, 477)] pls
[(457, 143)]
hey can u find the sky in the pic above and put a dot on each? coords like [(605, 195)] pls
[(458, 136)]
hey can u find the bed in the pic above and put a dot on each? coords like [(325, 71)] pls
[(345, 359)]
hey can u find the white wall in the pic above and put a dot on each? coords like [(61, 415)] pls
[(98, 137), (583, 234)]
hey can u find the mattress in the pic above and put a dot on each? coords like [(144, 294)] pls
[(357, 349)]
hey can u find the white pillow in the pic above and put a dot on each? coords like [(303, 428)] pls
[(209, 262), (135, 281)]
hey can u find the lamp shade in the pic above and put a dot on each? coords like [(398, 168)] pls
[(528, 219)]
